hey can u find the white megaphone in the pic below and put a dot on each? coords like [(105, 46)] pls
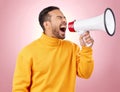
[(105, 22)]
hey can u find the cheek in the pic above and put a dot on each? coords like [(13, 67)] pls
[(56, 24), (56, 21)]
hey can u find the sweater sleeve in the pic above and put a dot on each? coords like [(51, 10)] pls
[(84, 62), (22, 74)]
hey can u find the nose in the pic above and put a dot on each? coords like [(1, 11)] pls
[(64, 20)]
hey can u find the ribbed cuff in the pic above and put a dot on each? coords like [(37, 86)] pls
[(86, 49)]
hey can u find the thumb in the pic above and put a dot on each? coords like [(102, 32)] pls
[(82, 43)]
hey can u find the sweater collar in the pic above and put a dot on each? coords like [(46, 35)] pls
[(50, 40)]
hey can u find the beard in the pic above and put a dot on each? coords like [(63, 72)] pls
[(58, 34)]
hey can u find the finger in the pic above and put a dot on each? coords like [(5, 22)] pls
[(81, 36), (88, 39), (91, 41), (82, 40), (86, 33)]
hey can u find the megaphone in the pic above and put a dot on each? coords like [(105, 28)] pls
[(104, 22)]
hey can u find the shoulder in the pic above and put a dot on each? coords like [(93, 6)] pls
[(29, 48)]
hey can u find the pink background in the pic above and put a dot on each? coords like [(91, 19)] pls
[(19, 26)]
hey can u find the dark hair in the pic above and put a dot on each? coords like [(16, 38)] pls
[(44, 16)]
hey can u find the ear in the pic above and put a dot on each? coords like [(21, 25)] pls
[(46, 24)]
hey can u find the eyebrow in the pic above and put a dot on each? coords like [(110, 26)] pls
[(61, 17)]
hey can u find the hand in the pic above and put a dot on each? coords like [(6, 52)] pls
[(85, 39)]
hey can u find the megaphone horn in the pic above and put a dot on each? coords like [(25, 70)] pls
[(105, 22)]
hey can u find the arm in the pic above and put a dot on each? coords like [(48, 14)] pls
[(22, 74), (85, 62)]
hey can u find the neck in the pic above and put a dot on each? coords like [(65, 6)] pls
[(49, 33)]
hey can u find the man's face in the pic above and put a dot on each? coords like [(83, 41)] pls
[(58, 24)]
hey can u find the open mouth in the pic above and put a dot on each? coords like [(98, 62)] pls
[(63, 29)]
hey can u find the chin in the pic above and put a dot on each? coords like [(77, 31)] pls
[(62, 37)]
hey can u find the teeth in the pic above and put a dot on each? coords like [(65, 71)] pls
[(63, 27)]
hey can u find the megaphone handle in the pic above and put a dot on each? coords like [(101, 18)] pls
[(82, 33)]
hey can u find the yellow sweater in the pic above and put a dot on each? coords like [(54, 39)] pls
[(51, 65)]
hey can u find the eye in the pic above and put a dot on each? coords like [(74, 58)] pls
[(59, 17)]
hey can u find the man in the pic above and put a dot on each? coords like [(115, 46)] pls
[(50, 64)]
